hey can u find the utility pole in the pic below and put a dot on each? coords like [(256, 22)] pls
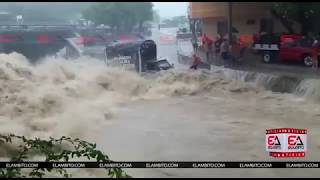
[(230, 22)]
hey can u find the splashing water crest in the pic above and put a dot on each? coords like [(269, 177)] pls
[(61, 97)]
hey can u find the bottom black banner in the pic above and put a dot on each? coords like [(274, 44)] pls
[(159, 164)]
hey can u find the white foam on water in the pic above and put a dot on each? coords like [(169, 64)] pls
[(78, 97)]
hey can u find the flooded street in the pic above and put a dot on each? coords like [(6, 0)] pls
[(208, 128), (167, 49), (175, 115), (84, 86), (220, 126)]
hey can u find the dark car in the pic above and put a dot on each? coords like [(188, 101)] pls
[(143, 54), (159, 65)]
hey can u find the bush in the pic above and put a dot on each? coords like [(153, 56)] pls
[(54, 150)]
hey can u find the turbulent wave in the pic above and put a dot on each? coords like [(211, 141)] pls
[(307, 88), (79, 97), (61, 97)]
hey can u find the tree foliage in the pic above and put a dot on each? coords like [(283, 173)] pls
[(176, 21), (60, 12), (121, 16), (156, 16), (53, 150), (306, 14)]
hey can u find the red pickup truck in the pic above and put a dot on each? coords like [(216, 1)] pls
[(286, 47)]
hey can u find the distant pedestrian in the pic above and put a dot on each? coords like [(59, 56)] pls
[(224, 49), (315, 62), (209, 49), (203, 39), (207, 45), (217, 45), (315, 50), (19, 19), (194, 43)]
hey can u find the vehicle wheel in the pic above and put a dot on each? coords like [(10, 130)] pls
[(307, 60), (267, 57)]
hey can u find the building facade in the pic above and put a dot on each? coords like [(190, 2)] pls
[(248, 18)]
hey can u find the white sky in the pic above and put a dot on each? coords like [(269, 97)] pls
[(170, 9)]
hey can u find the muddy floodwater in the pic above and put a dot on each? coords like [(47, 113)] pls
[(176, 115), (209, 128), (215, 127)]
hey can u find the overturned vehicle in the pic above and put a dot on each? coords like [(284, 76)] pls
[(36, 42), (142, 55)]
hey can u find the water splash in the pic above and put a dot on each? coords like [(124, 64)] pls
[(80, 97)]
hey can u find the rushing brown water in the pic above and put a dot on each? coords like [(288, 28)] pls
[(173, 115), (61, 96)]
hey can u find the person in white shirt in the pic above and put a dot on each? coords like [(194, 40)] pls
[(19, 19)]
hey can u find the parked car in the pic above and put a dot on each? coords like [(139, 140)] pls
[(285, 47)]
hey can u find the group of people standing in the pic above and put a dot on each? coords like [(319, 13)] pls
[(219, 47), (206, 45), (234, 52)]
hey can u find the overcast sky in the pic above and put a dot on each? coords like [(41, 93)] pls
[(170, 9)]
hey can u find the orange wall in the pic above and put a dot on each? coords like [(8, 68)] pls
[(220, 9), (212, 12), (208, 9)]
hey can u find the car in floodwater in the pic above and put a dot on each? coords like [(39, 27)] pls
[(159, 65), (36, 42)]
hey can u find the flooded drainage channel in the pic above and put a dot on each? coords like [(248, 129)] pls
[(303, 87)]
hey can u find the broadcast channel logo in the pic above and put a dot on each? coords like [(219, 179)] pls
[(286, 142)]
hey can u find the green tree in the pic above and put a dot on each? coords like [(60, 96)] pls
[(143, 13), (176, 21), (304, 13), (156, 16), (180, 20), (120, 16), (60, 12), (52, 150)]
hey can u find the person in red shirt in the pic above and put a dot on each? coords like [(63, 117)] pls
[(195, 62), (204, 39), (207, 45)]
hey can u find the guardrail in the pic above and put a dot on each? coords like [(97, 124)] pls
[(39, 26)]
